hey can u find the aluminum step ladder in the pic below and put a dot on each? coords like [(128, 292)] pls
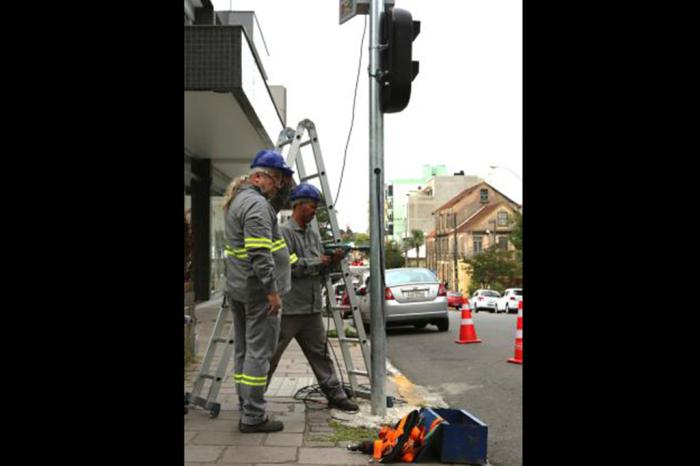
[(288, 136), (216, 378)]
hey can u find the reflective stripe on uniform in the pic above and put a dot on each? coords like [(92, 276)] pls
[(251, 243), (293, 258), (237, 253), (279, 244), (248, 379), (253, 381), (253, 384)]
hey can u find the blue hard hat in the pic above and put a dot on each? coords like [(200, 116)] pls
[(305, 191), (271, 159)]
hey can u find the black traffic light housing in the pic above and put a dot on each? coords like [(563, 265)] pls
[(397, 30)]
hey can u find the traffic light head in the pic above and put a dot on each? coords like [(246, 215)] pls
[(397, 31)]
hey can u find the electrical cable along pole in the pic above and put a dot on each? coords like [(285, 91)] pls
[(376, 230), (391, 71)]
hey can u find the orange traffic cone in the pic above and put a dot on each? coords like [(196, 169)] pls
[(518, 358), (467, 334)]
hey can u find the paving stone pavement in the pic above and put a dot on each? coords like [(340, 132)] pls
[(307, 436)]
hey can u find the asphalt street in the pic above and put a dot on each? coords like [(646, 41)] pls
[(474, 377)]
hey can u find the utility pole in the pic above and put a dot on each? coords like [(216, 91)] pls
[(455, 285), (376, 228), (438, 250), (493, 234)]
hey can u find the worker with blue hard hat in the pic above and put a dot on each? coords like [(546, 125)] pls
[(305, 191), (271, 159), (301, 319), (258, 274)]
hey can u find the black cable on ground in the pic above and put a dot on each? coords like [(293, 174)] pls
[(314, 394)]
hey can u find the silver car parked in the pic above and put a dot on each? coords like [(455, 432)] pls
[(413, 296)]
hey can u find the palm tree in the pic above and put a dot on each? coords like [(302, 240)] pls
[(416, 240), (406, 245)]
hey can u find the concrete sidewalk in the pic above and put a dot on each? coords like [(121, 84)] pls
[(307, 435)]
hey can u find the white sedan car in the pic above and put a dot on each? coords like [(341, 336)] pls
[(484, 300), (510, 300)]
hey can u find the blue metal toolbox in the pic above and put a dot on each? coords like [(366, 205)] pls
[(460, 438)]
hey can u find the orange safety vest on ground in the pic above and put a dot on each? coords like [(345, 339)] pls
[(404, 441)]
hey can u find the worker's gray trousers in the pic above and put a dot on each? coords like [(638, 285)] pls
[(311, 336), (255, 339)]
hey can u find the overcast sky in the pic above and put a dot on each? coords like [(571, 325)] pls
[(466, 103)]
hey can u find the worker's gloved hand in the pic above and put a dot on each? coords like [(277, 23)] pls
[(325, 260), (275, 303)]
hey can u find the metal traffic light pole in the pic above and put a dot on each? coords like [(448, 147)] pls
[(376, 227)]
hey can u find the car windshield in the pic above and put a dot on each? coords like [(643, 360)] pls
[(493, 294), (518, 292), (404, 276)]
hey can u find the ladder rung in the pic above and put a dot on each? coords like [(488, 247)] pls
[(221, 340), (356, 372), (207, 376), (350, 339), (309, 177), (341, 308), (305, 143)]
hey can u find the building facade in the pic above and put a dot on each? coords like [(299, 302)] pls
[(231, 113), (472, 221), (436, 191), (398, 190)]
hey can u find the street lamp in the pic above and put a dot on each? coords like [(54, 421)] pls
[(493, 167)]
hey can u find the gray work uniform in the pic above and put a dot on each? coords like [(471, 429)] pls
[(257, 263), (301, 317)]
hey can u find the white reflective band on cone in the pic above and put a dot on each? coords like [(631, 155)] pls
[(467, 321), (519, 334)]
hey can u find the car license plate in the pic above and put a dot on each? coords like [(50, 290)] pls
[(414, 294)]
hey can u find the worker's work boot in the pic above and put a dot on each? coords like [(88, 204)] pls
[(266, 426), (343, 405)]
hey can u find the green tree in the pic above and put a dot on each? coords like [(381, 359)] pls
[(393, 258), (516, 236), (417, 239), (324, 223), (361, 239), (407, 244), (347, 235), (494, 269)]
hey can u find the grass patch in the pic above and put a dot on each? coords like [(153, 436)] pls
[(342, 433), (350, 332)]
